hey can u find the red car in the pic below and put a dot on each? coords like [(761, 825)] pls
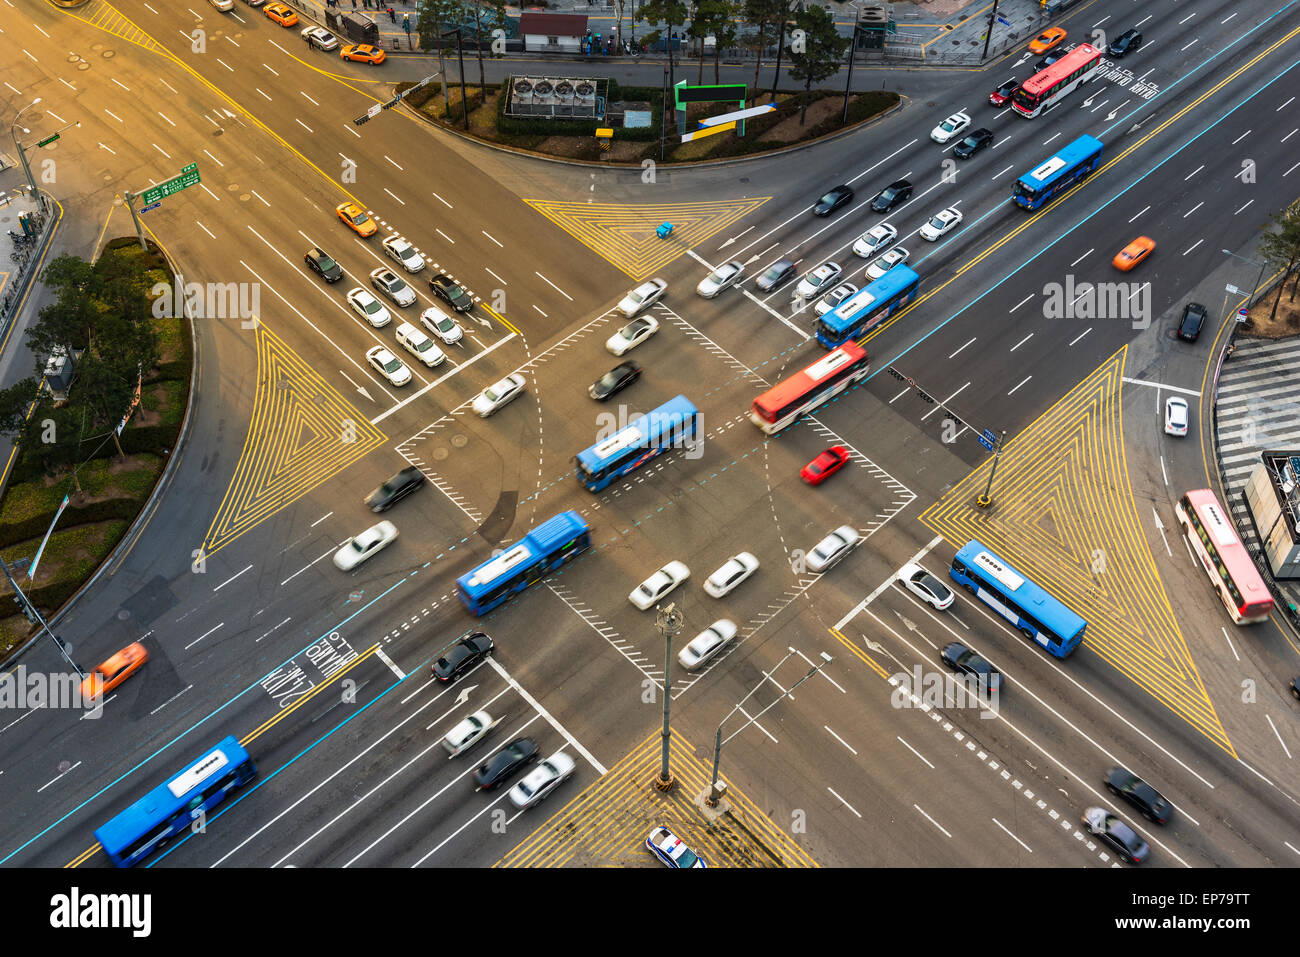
[(825, 465)]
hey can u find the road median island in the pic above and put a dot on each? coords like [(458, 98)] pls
[(70, 446), (575, 139)]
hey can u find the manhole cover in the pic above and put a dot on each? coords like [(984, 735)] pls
[(123, 614), (63, 766), (232, 187), (107, 55), (354, 596), (439, 454), (83, 65), (460, 441), (283, 384)]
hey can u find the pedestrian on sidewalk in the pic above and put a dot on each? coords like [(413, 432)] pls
[(391, 15), (354, 4), (406, 23)]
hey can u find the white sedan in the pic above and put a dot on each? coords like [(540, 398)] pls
[(498, 394), (925, 586), (882, 264), (318, 37), (874, 240), (733, 571), (356, 550), (832, 548), (941, 223), (658, 585), (442, 325), (225, 6), (368, 307), (642, 297), (819, 280), (388, 365), (707, 644), (393, 286), (632, 335), (537, 785), (722, 277), (1175, 416), (468, 733), (399, 249), (833, 298), (950, 127)]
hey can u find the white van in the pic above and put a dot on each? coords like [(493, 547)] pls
[(419, 345)]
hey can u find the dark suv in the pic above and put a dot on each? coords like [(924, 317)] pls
[(1124, 44), (322, 265), (1189, 327), (462, 656)]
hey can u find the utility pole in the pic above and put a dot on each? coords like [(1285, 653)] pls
[(129, 198), (663, 120), (853, 47), (33, 615), (22, 157), (984, 501), (988, 34), (669, 622)]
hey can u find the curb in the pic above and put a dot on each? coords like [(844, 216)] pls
[(688, 164)]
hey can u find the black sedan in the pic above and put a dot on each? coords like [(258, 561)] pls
[(615, 380), (451, 292), (507, 761), (832, 201), (964, 661), (891, 196), (972, 144), (779, 272), (1115, 834), (1144, 797), (395, 489), (319, 262), (462, 656), (1124, 44)]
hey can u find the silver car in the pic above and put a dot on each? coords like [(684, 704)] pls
[(642, 297), (706, 645), (402, 251), (832, 548), (392, 285), (725, 275), (538, 784), (498, 394)]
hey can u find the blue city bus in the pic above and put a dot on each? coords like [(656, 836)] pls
[(1038, 615), (533, 557), (167, 810), (868, 307), (675, 423), (1058, 173)]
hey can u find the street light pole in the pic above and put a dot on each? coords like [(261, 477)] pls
[(853, 46), (988, 34), (22, 156), (984, 500), (715, 793), (669, 622), (1253, 289), (34, 616)]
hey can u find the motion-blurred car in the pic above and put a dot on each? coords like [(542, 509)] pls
[(642, 297), (468, 733), (707, 644), (1132, 254), (1175, 416), (451, 292), (1116, 835), (777, 274), (462, 656), (319, 262), (875, 240), (114, 671), (733, 571), (1151, 803), (363, 53), (538, 784), (825, 465), (950, 127), (365, 546), (837, 197), (722, 277), (832, 548), (388, 365), (1049, 39), (369, 308), (658, 585), (632, 335), (614, 381), (395, 489), (402, 251), (497, 769), (671, 850), (356, 219), (925, 586), (499, 394)]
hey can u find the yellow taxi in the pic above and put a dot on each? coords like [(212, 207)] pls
[(356, 219), (1133, 253), (114, 671), (363, 53), (282, 14), (1049, 39)]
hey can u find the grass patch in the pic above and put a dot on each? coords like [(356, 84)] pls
[(72, 554)]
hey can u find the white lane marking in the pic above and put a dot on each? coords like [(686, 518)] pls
[(231, 578)]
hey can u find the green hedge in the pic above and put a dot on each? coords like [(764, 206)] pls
[(11, 533)]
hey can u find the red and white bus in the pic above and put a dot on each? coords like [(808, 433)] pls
[(804, 391), (1047, 88), (1224, 558)]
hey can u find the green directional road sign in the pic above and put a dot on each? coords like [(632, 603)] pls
[(189, 176)]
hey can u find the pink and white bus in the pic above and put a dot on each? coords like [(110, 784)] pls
[(1232, 571)]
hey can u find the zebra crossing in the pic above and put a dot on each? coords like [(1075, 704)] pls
[(1258, 408)]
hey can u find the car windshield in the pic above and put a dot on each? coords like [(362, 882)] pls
[(392, 365), (326, 263), (358, 218), (491, 393), (453, 291), (445, 325), (829, 198), (939, 222), (971, 140), (720, 275), (686, 859), (949, 125), (634, 328), (635, 295), (371, 305)]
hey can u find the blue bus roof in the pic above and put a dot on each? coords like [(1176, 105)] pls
[(882, 290), (636, 434), (542, 540), (166, 799), (1069, 156), (1048, 610)]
